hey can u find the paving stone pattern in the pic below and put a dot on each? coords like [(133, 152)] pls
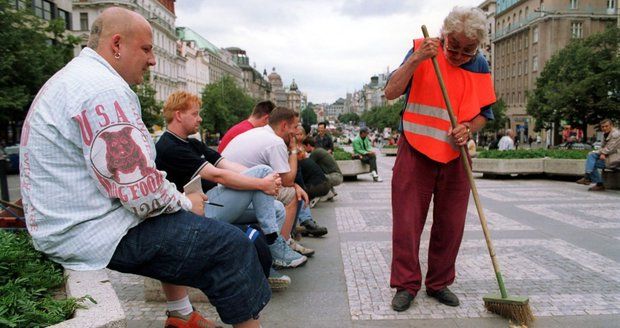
[(556, 243)]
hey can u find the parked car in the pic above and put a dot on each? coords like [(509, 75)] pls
[(574, 145)]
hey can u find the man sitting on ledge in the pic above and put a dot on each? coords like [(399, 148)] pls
[(606, 157)]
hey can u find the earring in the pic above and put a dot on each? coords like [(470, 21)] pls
[(117, 55)]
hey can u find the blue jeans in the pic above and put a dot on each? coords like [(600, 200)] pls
[(303, 213), (593, 163), (185, 249), (246, 206)]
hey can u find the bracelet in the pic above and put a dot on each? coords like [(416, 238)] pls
[(467, 127), (294, 151)]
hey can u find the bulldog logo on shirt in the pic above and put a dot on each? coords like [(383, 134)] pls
[(117, 155)]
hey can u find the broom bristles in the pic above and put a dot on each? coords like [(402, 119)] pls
[(521, 313)]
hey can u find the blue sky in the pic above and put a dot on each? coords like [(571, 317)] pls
[(330, 47)]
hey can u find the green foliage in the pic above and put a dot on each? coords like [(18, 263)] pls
[(224, 104), (308, 116), (384, 116), (499, 111), (31, 51), (151, 107), (579, 85), (534, 153), (341, 154), (349, 117), (27, 284)]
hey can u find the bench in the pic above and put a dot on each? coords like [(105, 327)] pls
[(611, 178)]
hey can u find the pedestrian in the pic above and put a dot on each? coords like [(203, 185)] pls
[(608, 156), (427, 163), (93, 197)]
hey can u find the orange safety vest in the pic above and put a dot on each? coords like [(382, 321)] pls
[(426, 120)]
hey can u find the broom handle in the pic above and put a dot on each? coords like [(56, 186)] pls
[(483, 220)]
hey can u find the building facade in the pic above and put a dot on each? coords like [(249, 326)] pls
[(254, 83), (527, 34), (168, 74), (487, 47)]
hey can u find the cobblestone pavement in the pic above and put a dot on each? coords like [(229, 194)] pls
[(556, 243)]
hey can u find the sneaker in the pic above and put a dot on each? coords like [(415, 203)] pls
[(329, 196), (597, 188), (299, 248), (444, 296), (402, 300), (284, 256), (377, 179), (313, 201), (277, 280), (313, 229), (192, 320), (584, 181)]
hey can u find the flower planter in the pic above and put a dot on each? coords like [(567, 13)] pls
[(389, 151), (351, 168), (564, 166), (107, 313), (508, 166)]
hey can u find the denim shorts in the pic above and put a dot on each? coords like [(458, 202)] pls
[(189, 250)]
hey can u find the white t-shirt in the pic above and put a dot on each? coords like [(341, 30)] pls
[(506, 143), (259, 146)]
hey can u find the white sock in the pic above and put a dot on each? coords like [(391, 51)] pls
[(183, 306)]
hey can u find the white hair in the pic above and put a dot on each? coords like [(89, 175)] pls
[(469, 20)]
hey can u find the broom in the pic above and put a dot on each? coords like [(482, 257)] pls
[(511, 307)]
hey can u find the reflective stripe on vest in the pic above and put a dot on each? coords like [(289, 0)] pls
[(426, 121)]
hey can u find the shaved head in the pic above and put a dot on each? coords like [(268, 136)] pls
[(113, 21), (125, 40)]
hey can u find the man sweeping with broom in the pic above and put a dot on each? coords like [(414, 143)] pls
[(428, 165)]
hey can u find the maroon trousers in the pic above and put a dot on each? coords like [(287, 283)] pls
[(416, 179)]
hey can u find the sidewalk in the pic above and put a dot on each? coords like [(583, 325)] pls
[(556, 243)]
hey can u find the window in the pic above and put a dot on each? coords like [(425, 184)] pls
[(611, 4), (525, 67), (519, 71), (576, 30), (535, 35), (84, 22), (20, 4), (65, 16), (527, 41), (574, 4), (42, 9), (535, 64)]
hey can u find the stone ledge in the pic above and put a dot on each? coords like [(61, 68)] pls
[(107, 313), (389, 151), (611, 179), (508, 166), (353, 167), (564, 166)]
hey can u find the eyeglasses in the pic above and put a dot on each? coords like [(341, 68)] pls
[(456, 51)]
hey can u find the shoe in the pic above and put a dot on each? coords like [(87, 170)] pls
[(377, 179), (313, 229), (597, 188), (299, 248), (444, 296), (277, 280), (283, 256), (192, 320), (584, 181), (329, 196), (313, 201), (402, 300)]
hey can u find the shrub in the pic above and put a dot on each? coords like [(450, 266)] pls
[(28, 281), (341, 154), (534, 153)]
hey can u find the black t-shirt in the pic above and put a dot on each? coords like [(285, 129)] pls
[(312, 173), (184, 158)]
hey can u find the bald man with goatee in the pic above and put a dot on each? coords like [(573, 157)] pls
[(93, 197)]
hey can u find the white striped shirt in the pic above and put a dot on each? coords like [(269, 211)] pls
[(87, 168)]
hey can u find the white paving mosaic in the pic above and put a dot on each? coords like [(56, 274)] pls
[(536, 194), (586, 216), (379, 219), (559, 278)]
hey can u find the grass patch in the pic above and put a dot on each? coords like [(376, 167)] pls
[(341, 154), (534, 153), (28, 283)]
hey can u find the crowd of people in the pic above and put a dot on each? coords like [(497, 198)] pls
[(98, 192)]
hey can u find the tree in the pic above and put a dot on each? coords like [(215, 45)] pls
[(308, 116), (384, 116), (579, 85), (224, 104), (31, 51), (499, 112), (349, 117), (151, 107)]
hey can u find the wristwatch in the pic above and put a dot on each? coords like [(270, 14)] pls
[(467, 125), (294, 151)]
